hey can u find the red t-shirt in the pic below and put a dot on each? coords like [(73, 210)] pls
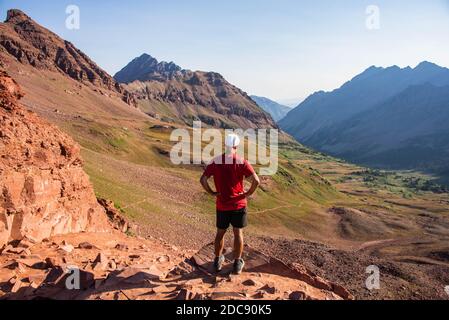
[(228, 177)]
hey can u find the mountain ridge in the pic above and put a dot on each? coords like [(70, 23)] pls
[(374, 69), (275, 109), (30, 43), (333, 121), (165, 90)]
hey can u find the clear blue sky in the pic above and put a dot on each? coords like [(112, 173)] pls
[(281, 49)]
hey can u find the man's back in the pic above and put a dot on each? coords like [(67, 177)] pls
[(229, 171)]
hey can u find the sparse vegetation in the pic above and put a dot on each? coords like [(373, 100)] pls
[(422, 184), (284, 177), (394, 180), (117, 143), (119, 208)]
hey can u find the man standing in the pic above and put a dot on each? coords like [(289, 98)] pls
[(229, 172)]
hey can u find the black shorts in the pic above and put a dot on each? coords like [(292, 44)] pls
[(238, 219)]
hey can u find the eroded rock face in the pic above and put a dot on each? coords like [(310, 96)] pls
[(43, 188), (117, 221)]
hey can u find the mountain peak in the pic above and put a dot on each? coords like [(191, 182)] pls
[(146, 67), (368, 72), (15, 16), (394, 68), (372, 68), (145, 57), (427, 65)]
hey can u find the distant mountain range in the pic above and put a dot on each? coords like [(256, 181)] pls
[(165, 90), (276, 110), (290, 102), (392, 117)]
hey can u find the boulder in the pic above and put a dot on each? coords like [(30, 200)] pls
[(86, 246), (269, 289), (251, 283), (121, 247), (58, 277), (101, 262), (185, 294), (297, 295)]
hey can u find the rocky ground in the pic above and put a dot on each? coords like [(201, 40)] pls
[(399, 278), (113, 266)]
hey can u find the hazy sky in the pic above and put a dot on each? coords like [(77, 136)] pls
[(280, 49)]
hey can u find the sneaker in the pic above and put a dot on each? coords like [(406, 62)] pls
[(218, 263), (238, 266)]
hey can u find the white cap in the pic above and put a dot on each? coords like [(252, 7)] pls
[(232, 141)]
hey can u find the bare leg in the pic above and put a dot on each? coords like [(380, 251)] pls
[(238, 243), (219, 242)]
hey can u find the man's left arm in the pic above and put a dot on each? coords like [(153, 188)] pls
[(205, 183)]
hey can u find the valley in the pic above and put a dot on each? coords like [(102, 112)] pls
[(276, 110)]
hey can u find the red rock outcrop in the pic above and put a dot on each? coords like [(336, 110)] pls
[(115, 217), (43, 188)]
